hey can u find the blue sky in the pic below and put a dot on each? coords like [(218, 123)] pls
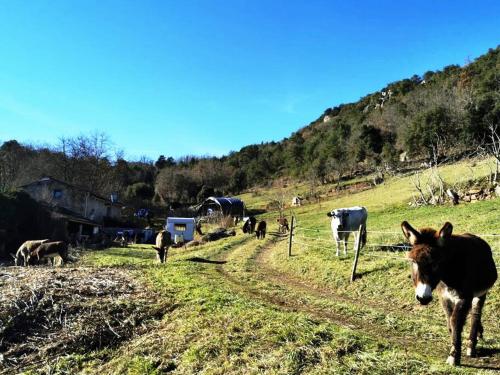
[(207, 77)]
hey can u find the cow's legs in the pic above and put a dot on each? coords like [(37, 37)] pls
[(346, 237), (475, 324), (457, 324), (336, 238)]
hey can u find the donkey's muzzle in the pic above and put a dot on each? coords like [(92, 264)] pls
[(424, 300)]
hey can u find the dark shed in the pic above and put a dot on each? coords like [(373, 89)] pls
[(223, 205)]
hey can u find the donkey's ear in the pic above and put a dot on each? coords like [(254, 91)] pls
[(445, 231), (410, 233)]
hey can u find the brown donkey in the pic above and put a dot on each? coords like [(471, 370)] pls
[(163, 242), (462, 269)]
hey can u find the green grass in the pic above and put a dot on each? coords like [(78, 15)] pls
[(218, 328), (395, 190), (264, 312)]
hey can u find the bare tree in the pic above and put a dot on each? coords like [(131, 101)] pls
[(87, 161), (492, 147)]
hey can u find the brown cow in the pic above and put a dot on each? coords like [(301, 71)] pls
[(283, 225), (49, 250), (24, 251), (163, 242), (462, 269)]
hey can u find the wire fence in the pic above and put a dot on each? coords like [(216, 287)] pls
[(385, 244)]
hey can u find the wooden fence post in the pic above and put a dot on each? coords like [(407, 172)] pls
[(291, 236), (356, 253)]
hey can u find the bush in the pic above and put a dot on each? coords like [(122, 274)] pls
[(139, 191), (22, 219)]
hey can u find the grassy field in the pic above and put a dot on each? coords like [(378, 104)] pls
[(242, 306)]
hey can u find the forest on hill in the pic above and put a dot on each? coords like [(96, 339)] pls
[(431, 116)]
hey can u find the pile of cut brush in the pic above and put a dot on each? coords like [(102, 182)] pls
[(47, 313)]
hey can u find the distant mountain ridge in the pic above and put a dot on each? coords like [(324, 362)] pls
[(437, 114)]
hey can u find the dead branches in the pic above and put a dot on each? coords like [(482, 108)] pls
[(432, 191), (47, 312)]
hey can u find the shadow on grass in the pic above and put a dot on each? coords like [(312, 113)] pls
[(146, 255), (481, 367), (487, 352), (203, 260), (255, 211), (278, 234), (359, 275)]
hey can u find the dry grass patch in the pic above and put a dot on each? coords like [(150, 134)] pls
[(48, 313)]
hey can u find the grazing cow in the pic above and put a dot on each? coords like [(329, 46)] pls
[(49, 251), (24, 251), (345, 221), (163, 242), (261, 229), (283, 225), (249, 225), (462, 270), (296, 201)]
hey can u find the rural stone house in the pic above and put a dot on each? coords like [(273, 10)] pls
[(82, 210)]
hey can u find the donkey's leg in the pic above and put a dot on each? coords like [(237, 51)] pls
[(475, 324), (448, 306), (457, 325)]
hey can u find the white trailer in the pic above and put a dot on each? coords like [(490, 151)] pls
[(181, 228)]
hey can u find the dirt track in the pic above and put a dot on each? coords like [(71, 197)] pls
[(297, 298)]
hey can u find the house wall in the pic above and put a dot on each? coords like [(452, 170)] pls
[(69, 198), (55, 193)]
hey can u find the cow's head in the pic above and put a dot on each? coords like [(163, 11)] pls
[(338, 215), (426, 256)]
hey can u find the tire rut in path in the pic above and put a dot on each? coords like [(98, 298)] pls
[(439, 345), (293, 305), (263, 272)]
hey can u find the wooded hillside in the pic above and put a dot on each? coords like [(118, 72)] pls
[(429, 116)]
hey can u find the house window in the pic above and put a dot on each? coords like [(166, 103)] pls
[(180, 227), (57, 194)]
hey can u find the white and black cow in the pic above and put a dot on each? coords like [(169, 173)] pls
[(345, 221), (249, 225)]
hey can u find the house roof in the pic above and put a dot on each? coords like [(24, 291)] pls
[(48, 179), (71, 215)]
